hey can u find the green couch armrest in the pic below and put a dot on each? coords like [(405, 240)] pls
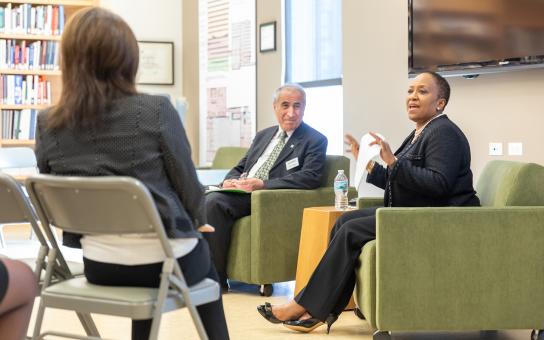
[(365, 288), (369, 202), (459, 268), (276, 220)]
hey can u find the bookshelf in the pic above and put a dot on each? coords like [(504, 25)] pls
[(30, 70)]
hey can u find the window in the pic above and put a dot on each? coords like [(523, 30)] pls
[(313, 58)]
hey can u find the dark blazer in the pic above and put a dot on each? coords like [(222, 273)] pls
[(306, 144), (434, 171), (141, 137)]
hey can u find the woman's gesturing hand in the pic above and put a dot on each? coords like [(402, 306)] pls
[(385, 150), (353, 145)]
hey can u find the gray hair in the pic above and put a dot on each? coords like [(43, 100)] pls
[(289, 87)]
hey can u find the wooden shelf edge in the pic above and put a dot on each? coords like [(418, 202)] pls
[(17, 142), (32, 72), (74, 3), (19, 36), (23, 107)]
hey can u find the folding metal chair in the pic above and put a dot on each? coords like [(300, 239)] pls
[(16, 161), (15, 207), (112, 205)]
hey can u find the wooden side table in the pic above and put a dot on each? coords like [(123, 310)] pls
[(317, 223)]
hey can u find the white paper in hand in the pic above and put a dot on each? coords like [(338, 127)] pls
[(366, 154)]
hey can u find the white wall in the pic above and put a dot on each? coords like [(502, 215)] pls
[(158, 20), (503, 107)]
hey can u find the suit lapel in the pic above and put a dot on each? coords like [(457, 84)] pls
[(261, 146), (290, 146)]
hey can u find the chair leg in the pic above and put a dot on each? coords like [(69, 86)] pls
[(381, 335), (88, 324), (537, 334), (161, 296), (198, 323), (39, 320), (266, 290)]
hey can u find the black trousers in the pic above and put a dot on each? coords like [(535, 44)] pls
[(331, 285), (222, 210), (196, 266)]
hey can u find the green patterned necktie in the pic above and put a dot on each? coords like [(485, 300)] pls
[(263, 171)]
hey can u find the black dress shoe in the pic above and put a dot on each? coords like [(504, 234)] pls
[(359, 314), (266, 311), (309, 325), (305, 326)]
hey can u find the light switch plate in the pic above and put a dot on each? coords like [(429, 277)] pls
[(495, 149), (515, 149)]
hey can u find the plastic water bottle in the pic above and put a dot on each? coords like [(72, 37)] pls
[(341, 191)]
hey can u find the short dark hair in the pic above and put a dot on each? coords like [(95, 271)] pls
[(443, 86), (99, 60)]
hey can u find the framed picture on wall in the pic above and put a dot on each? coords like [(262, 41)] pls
[(156, 63), (267, 37)]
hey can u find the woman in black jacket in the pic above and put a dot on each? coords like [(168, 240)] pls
[(431, 168)]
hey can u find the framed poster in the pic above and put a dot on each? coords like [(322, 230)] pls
[(156, 63), (267, 37)]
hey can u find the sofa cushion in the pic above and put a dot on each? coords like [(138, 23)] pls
[(506, 183)]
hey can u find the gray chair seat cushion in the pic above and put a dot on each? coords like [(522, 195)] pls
[(133, 302)]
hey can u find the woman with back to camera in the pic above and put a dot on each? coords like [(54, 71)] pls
[(430, 168), (103, 127)]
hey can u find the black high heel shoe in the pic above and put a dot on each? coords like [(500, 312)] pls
[(266, 311), (309, 325), (330, 320)]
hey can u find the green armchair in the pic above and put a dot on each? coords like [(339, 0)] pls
[(264, 245), (460, 268), (226, 157)]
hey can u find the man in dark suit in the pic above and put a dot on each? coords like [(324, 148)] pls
[(288, 156)]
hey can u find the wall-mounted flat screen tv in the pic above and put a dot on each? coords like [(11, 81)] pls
[(468, 37)]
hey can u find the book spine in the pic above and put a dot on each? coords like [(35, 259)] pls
[(61, 19), (55, 20), (35, 91), (24, 128), (48, 92), (18, 90), (7, 18), (16, 124), (2, 21), (33, 20), (33, 118)]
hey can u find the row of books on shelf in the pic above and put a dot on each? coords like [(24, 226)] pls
[(23, 55), (19, 124), (17, 89), (28, 19)]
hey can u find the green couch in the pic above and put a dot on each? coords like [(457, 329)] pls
[(264, 245), (460, 268)]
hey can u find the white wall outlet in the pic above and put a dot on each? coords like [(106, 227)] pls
[(515, 149), (495, 149)]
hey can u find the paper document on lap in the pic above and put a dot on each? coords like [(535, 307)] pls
[(212, 188), (366, 154)]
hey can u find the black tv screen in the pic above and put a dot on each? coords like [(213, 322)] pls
[(461, 37)]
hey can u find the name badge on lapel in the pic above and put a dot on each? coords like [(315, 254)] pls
[(293, 163)]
